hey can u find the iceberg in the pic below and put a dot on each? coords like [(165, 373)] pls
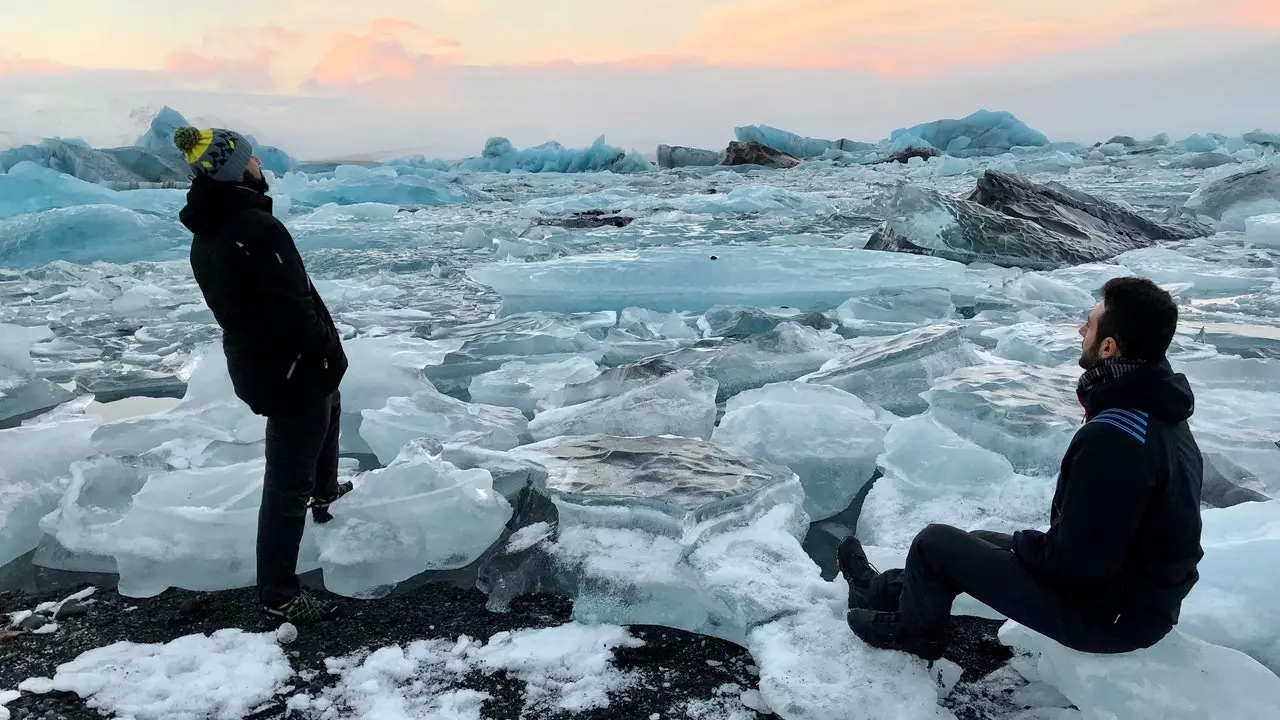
[(696, 279), (1237, 195), (428, 414), (1012, 222), (122, 168), (159, 135), (739, 153), (893, 371), (420, 513), (829, 438), (87, 234), (982, 133), (28, 187), (676, 156), (1200, 143), (793, 144), (501, 156), (1178, 678)]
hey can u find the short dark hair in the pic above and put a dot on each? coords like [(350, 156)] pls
[(1140, 316)]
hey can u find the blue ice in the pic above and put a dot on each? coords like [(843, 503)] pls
[(982, 133), (793, 144), (500, 155), (353, 185), (86, 234)]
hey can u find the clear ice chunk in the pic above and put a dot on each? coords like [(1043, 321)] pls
[(526, 385), (89, 514), (383, 367), (680, 403), (696, 279), (831, 439), (195, 529), (428, 413), (893, 371), (785, 353), (1263, 230), (420, 513), (1026, 413), (34, 472), (932, 475)]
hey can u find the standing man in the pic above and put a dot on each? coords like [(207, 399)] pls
[(283, 353), (1123, 542)]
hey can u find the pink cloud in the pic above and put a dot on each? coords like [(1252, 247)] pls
[(20, 64), (928, 37), (238, 58)]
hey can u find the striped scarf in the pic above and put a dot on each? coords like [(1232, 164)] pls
[(1103, 373)]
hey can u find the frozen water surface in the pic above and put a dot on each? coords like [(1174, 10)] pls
[(540, 359)]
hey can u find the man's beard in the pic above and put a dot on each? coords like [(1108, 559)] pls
[(259, 183), (1091, 357)]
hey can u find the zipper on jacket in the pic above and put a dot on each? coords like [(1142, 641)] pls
[(292, 366), (279, 259)]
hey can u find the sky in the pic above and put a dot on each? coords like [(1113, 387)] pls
[(346, 79)]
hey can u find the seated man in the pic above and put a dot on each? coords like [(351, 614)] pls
[(1123, 542)]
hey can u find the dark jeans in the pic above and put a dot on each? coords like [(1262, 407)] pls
[(945, 562), (302, 463)]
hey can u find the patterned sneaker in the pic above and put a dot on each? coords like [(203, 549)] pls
[(304, 609), (320, 506)]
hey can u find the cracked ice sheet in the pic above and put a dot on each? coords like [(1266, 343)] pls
[(224, 676), (565, 669)]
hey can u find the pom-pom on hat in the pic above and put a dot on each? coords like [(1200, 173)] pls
[(217, 154)]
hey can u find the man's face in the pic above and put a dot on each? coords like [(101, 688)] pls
[(1093, 349), (255, 168)]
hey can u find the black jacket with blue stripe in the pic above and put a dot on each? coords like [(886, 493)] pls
[(1124, 534)]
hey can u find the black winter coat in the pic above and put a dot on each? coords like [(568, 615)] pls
[(1124, 534), (281, 344)]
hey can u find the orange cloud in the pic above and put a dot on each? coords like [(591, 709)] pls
[(385, 48), (238, 58), (1256, 13)]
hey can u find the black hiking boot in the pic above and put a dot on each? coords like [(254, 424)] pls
[(883, 630), (852, 562), (320, 506), (304, 609)]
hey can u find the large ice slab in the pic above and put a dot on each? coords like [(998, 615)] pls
[(1026, 413), (674, 156), (209, 424), (195, 529), (831, 439), (380, 368), (1010, 221), (680, 403), (21, 393), (892, 371), (690, 279), (80, 531), (525, 385), (33, 474), (787, 352), (1263, 230), (428, 414), (932, 475), (1178, 678), (353, 185), (1233, 602), (982, 132), (420, 513)]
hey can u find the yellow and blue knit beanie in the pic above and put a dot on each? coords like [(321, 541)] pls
[(214, 153)]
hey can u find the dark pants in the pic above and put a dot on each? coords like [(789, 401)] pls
[(945, 562), (302, 463)]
